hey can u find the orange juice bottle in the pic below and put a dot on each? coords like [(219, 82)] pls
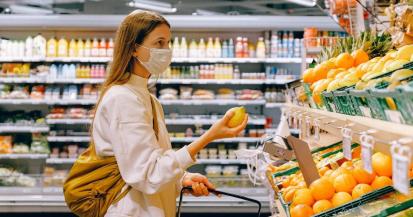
[(62, 48), (52, 47), (72, 48), (80, 48)]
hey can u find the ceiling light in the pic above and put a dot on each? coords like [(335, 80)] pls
[(307, 3), (153, 5)]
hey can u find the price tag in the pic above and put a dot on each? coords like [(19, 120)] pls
[(347, 138), (317, 130), (401, 156), (394, 116), (366, 111), (308, 127), (367, 146)]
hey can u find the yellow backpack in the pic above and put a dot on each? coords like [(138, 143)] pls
[(94, 183)]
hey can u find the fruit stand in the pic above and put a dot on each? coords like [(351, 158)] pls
[(359, 91)]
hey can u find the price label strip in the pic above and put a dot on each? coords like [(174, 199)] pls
[(367, 146), (347, 138), (401, 156)]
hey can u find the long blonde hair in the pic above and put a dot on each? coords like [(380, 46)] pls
[(133, 30)]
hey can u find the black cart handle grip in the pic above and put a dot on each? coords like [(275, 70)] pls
[(178, 214)]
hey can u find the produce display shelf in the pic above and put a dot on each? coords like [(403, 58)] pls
[(213, 102), (274, 105), (223, 81), (173, 139), (68, 138), (51, 81), (47, 102), (23, 156), (236, 139), (23, 129), (199, 161), (69, 121), (174, 60), (178, 121)]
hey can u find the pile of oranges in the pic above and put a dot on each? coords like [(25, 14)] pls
[(337, 187)]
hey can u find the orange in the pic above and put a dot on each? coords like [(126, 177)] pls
[(301, 210), (381, 164), (361, 189), (344, 183), (344, 60), (323, 170), (322, 189), (320, 72), (321, 206), (308, 75), (336, 173), (303, 196), (330, 64), (347, 164), (289, 194), (356, 152), (341, 198), (381, 182), (285, 183), (362, 176), (360, 56)]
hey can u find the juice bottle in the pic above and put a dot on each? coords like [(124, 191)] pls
[(210, 48), (62, 47), (260, 48), (184, 48), (224, 51), (176, 48), (52, 47), (109, 48), (39, 46), (88, 48), (80, 48), (72, 48), (217, 48), (231, 48), (102, 47), (95, 47), (274, 45), (201, 49), (239, 48), (29, 47), (245, 52), (193, 49)]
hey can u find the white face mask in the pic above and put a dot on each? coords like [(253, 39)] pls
[(159, 60)]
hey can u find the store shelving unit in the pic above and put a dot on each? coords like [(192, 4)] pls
[(23, 129)]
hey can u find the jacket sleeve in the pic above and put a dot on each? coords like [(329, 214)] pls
[(143, 164)]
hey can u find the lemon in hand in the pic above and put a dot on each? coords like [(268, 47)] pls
[(238, 117)]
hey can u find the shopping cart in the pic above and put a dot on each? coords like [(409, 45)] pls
[(216, 192)]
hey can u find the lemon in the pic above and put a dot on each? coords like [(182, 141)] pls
[(238, 117)]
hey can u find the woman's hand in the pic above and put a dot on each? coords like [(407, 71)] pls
[(220, 129), (199, 184)]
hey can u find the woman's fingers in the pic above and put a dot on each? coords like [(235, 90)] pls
[(242, 126), (228, 115)]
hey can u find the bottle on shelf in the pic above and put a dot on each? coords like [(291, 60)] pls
[(201, 49), (72, 48), (39, 46), (245, 49), (260, 48), (237, 73), (21, 49), (193, 49), (52, 47), (109, 48), (102, 47), (184, 48), (274, 45), (267, 43), (88, 48), (95, 48), (62, 47), (176, 50), (291, 44), (29, 46), (217, 48), (210, 48), (80, 48), (225, 53), (239, 48), (231, 48)]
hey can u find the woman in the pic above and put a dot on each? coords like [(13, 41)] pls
[(129, 123)]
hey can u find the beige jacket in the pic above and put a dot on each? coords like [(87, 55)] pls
[(123, 128)]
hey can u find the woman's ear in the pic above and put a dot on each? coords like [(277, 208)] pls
[(135, 51)]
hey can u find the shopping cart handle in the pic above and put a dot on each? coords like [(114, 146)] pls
[(178, 214)]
